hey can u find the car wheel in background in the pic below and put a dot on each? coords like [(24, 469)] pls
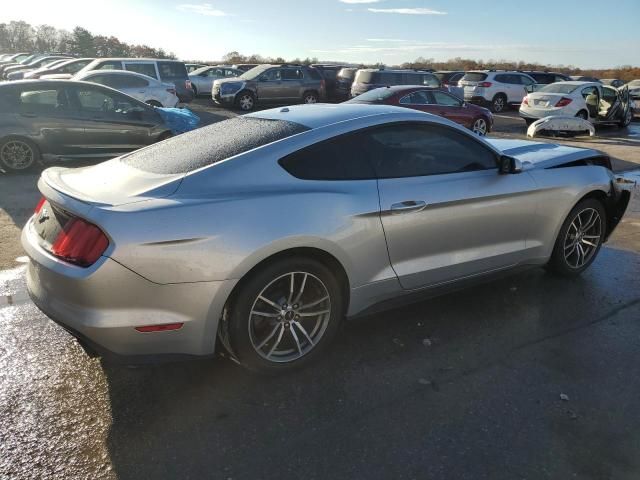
[(154, 103), (583, 114), (245, 101), (284, 315), (480, 126), (18, 154), (310, 97), (580, 238), (499, 103)]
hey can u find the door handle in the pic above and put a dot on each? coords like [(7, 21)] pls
[(408, 206)]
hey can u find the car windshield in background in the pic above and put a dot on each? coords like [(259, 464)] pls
[(254, 72), (377, 95), (347, 73), (209, 145), (560, 87), (474, 77)]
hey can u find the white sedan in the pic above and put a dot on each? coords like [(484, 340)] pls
[(592, 101), (136, 85)]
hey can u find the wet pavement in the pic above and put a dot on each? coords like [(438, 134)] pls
[(528, 377)]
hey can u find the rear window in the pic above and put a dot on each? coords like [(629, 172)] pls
[(209, 145), (172, 70), (374, 96), (561, 87), (474, 77), (347, 73)]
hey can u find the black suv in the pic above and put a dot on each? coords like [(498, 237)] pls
[(369, 78), (545, 78), (330, 74), (287, 83)]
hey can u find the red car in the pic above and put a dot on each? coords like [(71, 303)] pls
[(431, 100)]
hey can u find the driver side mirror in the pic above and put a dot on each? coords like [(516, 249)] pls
[(509, 165)]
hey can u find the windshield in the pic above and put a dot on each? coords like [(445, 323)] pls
[(255, 72), (377, 95), (560, 87)]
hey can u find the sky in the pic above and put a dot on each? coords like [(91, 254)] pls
[(587, 33)]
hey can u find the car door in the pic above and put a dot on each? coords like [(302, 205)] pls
[(292, 84), (114, 123), (452, 108), (45, 112), (270, 85), (446, 212)]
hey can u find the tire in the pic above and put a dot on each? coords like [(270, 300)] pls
[(18, 154), (154, 103), (310, 97), (573, 263), (528, 121), (246, 101), (283, 336), (480, 126), (583, 114), (499, 103), (195, 90)]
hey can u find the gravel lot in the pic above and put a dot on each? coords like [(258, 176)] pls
[(529, 377)]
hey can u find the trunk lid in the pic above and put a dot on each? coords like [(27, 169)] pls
[(109, 183), (544, 100)]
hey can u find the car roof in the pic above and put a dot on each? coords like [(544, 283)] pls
[(324, 114), (136, 59), (94, 73)]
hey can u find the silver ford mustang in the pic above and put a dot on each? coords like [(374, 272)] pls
[(262, 232)]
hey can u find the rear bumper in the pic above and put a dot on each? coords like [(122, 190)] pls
[(102, 305)]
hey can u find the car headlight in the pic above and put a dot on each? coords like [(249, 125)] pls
[(229, 88)]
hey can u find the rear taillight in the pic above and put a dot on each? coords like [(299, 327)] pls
[(563, 102), (39, 205), (187, 83), (80, 243), (484, 84), (525, 100)]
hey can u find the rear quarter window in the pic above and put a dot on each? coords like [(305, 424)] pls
[(172, 70), (209, 145)]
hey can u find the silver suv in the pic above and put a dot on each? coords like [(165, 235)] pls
[(270, 84), (495, 89)]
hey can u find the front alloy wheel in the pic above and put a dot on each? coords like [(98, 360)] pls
[(17, 155), (480, 127)]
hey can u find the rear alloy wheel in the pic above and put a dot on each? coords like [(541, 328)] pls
[(580, 238), (18, 154), (285, 315), (310, 97), (480, 127), (246, 101), (499, 103)]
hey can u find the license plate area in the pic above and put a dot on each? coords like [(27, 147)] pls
[(49, 222)]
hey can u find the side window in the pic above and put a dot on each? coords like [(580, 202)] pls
[(314, 74), (42, 100), (589, 91), (94, 100), (430, 81), (417, 98), (291, 74), (272, 75), (129, 81), (525, 80), (408, 150), (148, 69), (109, 66), (502, 78), (445, 99), (170, 71), (341, 158), (230, 73)]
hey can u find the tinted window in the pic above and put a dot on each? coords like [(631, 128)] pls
[(542, 77), (109, 66), (341, 158), (291, 74), (171, 71), (374, 96), (347, 73), (416, 150), (523, 80), (212, 144), (272, 75), (417, 98), (40, 100), (110, 104), (388, 78), (503, 79), (314, 74), (558, 88), (329, 74), (442, 98), (474, 77), (148, 69)]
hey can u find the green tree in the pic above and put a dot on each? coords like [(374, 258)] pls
[(83, 42)]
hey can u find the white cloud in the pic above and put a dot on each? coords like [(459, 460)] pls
[(386, 40), (407, 11), (359, 1), (202, 9)]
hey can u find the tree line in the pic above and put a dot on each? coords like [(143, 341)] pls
[(19, 36)]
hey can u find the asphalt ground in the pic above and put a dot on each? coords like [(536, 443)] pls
[(527, 377)]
